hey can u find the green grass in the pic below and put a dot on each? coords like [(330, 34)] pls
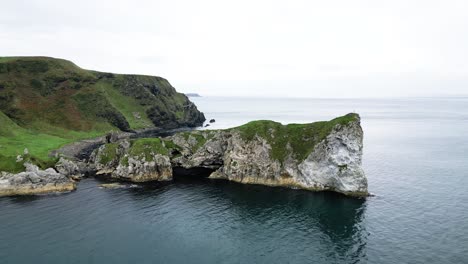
[(169, 144), (125, 105), (142, 148), (201, 140), (108, 153), (302, 138), (9, 164), (14, 139), (147, 146)]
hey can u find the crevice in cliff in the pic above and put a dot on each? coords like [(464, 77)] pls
[(195, 172)]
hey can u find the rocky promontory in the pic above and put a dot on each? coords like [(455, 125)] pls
[(317, 156)]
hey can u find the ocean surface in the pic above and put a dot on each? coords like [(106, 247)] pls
[(415, 157)]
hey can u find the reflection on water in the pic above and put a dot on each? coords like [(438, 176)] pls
[(204, 219), (324, 215)]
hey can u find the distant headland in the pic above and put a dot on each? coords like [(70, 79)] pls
[(192, 95)]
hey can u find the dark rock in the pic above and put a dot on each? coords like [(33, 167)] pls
[(212, 120), (112, 137)]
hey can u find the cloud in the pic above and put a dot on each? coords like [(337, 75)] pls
[(334, 46)]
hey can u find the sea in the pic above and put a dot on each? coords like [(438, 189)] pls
[(415, 158)]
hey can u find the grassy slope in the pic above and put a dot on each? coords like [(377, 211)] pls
[(46, 103), (126, 105)]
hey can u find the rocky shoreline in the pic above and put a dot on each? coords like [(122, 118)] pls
[(318, 156), (35, 181)]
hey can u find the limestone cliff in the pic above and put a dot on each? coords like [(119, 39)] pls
[(317, 156)]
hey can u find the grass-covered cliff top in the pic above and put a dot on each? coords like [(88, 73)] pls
[(299, 140), (302, 138), (141, 148), (47, 102)]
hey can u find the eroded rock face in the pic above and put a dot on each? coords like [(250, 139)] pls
[(137, 169), (118, 162), (73, 169), (34, 181), (317, 156), (335, 163)]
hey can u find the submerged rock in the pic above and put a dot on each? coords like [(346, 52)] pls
[(34, 181), (317, 156), (114, 185)]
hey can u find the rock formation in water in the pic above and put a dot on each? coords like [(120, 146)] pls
[(34, 181), (317, 156)]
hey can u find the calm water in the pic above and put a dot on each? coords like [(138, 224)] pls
[(416, 160)]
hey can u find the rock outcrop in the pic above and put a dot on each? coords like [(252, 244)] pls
[(139, 162), (317, 156), (34, 181)]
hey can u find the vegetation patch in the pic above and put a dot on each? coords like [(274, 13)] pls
[(14, 139), (109, 153), (169, 144), (201, 140), (12, 165), (147, 147), (95, 104), (9, 164), (129, 107), (302, 138)]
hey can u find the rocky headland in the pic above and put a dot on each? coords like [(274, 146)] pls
[(318, 156)]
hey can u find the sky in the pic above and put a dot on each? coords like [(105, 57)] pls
[(292, 48)]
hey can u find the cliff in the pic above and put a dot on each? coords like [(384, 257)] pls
[(47, 102), (60, 94), (317, 156)]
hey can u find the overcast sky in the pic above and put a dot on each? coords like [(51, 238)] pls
[(337, 48)]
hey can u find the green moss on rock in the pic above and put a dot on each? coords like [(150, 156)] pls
[(299, 140), (146, 147), (109, 153), (200, 139)]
